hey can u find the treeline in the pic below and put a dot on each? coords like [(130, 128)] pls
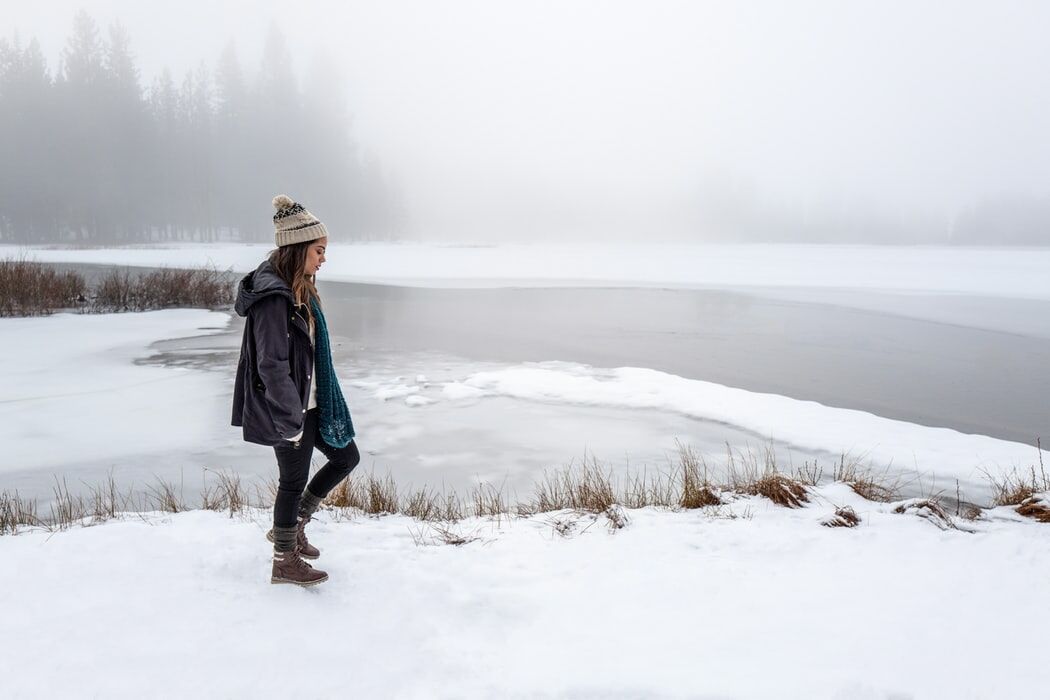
[(736, 210), (91, 156)]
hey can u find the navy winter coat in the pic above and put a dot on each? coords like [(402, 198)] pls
[(272, 388)]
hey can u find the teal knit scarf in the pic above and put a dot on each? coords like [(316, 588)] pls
[(336, 427)]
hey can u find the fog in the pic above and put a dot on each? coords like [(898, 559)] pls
[(717, 121)]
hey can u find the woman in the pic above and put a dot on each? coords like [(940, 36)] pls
[(286, 393)]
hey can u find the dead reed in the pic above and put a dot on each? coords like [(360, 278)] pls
[(697, 491), (586, 487), (34, 289), (928, 509), (228, 494), (16, 511), (121, 290), (756, 475)]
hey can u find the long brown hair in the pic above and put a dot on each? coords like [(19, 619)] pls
[(288, 262)]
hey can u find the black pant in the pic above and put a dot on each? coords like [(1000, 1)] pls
[(294, 465)]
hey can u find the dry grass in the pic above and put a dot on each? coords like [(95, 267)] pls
[(645, 489), (33, 289), (929, 509), (122, 290), (487, 501), (106, 501), (15, 512), (1035, 507), (66, 508), (339, 497), (442, 533), (757, 475), (782, 490), (1015, 488), (163, 496), (879, 486), (843, 517), (429, 506), (228, 494), (368, 493), (380, 495), (586, 487), (697, 489), (561, 526)]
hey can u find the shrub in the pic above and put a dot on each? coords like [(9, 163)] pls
[(32, 289), (162, 289)]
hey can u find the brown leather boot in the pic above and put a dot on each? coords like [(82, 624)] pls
[(306, 550), (289, 567)]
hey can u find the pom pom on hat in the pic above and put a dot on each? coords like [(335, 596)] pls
[(282, 201)]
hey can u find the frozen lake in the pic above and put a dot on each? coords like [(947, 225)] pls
[(956, 361)]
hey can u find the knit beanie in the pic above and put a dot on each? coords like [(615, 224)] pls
[(293, 223)]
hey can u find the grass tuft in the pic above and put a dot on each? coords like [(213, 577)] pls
[(843, 517), (928, 509), (747, 475), (228, 494), (1037, 507), (1015, 488), (697, 489), (164, 497), (16, 511)]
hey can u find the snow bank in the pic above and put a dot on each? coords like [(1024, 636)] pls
[(767, 605), (942, 453), (1015, 273), (70, 389)]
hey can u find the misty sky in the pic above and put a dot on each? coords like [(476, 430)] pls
[(609, 118)]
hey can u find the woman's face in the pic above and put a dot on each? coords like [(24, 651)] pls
[(315, 255)]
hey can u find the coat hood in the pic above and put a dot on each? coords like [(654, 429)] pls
[(260, 283)]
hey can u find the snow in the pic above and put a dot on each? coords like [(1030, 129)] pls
[(746, 601), (766, 604), (994, 272), (72, 391), (941, 453)]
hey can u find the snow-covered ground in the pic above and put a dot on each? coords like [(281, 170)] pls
[(996, 272), (71, 390), (747, 601), (692, 604)]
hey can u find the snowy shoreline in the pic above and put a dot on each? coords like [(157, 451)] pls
[(74, 387), (164, 415), (993, 272), (750, 601)]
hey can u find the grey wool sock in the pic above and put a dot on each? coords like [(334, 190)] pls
[(309, 504), (284, 538)]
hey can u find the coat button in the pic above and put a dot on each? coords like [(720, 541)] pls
[(304, 410)]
